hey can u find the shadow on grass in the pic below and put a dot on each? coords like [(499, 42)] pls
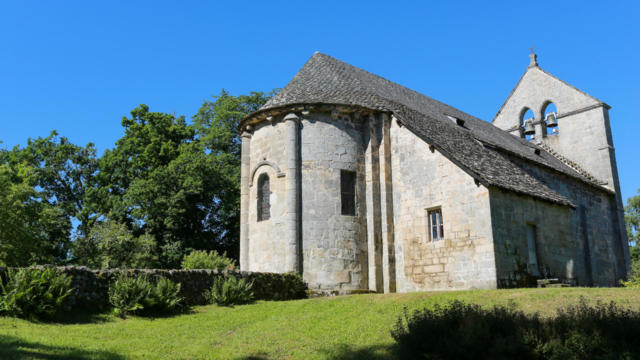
[(347, 352), (167, 315), (18, 349), (375, 352), (93, 317), (79, 317), (255, 357)]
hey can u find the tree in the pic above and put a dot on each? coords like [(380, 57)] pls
[(64, 172), (217, 121), (110, 244), (150, 181), (166, 188), (632, 220), (32, 231), (216, 125)]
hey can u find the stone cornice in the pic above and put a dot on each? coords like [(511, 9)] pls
[(302, 110)]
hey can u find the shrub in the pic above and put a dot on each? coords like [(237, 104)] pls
[(230, 291), (287, 286), (200, 259), (463, 331), (34, 293), (139, 295), (164, 297), (634, 277)]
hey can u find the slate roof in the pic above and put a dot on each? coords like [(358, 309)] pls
[(477, 147)]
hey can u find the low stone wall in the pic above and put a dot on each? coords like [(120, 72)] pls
[(92, 286)]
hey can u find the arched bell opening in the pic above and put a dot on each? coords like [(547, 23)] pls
[(550, 113), (527, 129)]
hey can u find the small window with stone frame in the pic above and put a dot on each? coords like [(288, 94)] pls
[(264, 195), (348, 192), (436, 225)]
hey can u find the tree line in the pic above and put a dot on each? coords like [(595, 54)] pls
[(166, 188)]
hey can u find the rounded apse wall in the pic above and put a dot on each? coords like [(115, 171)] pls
[(334, 245)]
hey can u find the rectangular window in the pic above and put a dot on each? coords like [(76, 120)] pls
[(348, 192), (436, 226)]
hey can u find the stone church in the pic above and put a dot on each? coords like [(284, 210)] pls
[(359, 183)]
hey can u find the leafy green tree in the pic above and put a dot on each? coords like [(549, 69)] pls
[(179, 182), (217, 121), (632, 220), (63, 172), (110, 244), (152, 182), (32, 231), (167, 187), (216, 125)]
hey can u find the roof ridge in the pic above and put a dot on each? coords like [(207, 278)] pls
[(318, 54)]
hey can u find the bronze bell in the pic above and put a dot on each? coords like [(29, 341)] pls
[(528, 127), (551, 120)]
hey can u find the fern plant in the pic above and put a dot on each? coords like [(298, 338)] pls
[(34, 293), (127, 294), (164, 297), (230, 291)]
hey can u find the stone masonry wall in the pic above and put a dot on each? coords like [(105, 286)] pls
[(584, 138), (423, 179), (333, 245), (597, 257), (556, 254), (267, 240)]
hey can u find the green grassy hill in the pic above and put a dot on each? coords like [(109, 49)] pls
[(345, 327)]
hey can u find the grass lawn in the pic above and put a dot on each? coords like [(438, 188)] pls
[(345, 327)]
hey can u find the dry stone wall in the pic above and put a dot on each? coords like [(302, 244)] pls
[(92, 286)]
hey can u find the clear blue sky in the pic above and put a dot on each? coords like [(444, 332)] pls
[(78, 67)]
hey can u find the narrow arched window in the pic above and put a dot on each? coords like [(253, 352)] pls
[(264, 194)]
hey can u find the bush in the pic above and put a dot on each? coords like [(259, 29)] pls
[(230, 291), (271, 286), (200, 259), (634, 277), (463, 331), (34, 293), (138, 295)]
